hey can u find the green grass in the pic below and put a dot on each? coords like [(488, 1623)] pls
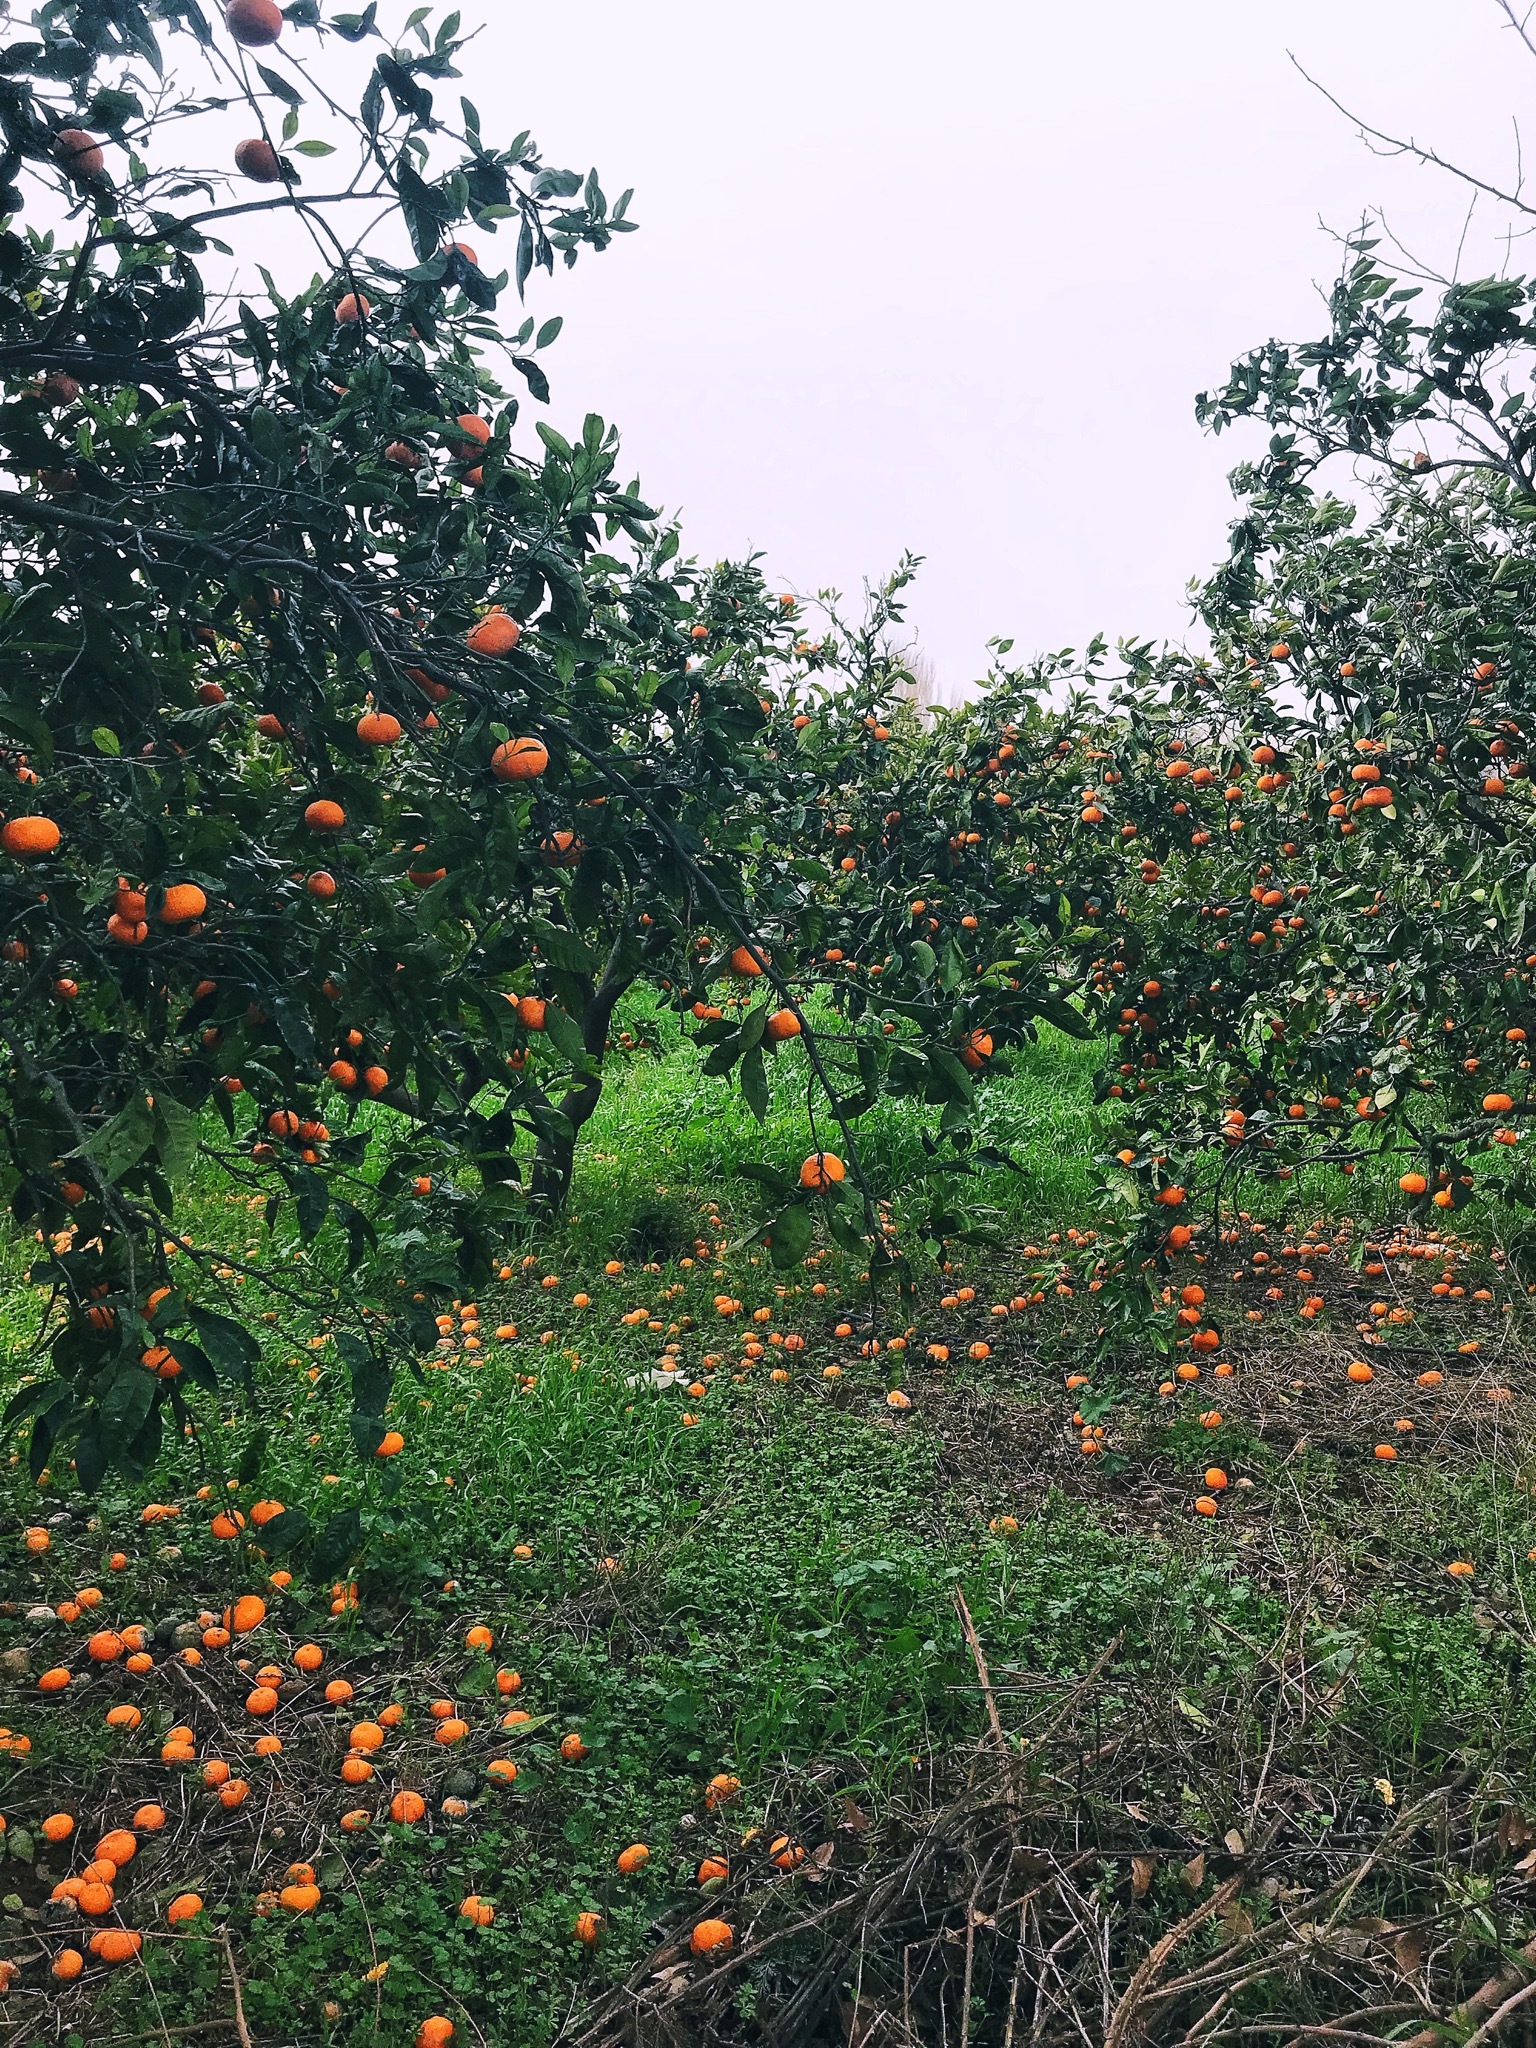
[(781, 1605)]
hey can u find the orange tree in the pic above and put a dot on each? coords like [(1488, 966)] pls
[(357, 762), (1328, 961), (914, 888)]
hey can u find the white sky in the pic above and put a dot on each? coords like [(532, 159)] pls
[(948, 277)]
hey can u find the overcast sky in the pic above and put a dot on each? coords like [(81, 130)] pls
[(948, 278)]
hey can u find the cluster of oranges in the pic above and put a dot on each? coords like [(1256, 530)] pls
[(94, 1890)]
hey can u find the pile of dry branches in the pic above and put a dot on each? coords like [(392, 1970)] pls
[(1072, 1882)]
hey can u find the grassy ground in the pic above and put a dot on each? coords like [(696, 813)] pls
[(948, 1656)]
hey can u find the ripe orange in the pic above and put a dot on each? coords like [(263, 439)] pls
[(352, 308), (79, 153), (710, 1936), (257, 160), (254, 23), (822, 1170), (30, 836), (519, 760), (378, 729), (976, 1050), (184, 901), (324, 816), (494, 635)]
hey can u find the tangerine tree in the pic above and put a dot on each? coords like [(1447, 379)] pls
[(360, 757)]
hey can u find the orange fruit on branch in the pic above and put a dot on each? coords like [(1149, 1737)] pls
[(254, 23), (496, 634), (519, 760), (257, 160)]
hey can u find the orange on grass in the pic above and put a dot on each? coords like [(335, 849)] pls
[(634, 1858), (248, 1612), (185, 1906), (710, 1936), (406, 1808)]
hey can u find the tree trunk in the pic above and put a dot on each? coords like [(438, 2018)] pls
[(554, 1159)]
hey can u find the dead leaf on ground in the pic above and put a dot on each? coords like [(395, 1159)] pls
[(1143, 1870), (1193, 1873), (1408, 1952)]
